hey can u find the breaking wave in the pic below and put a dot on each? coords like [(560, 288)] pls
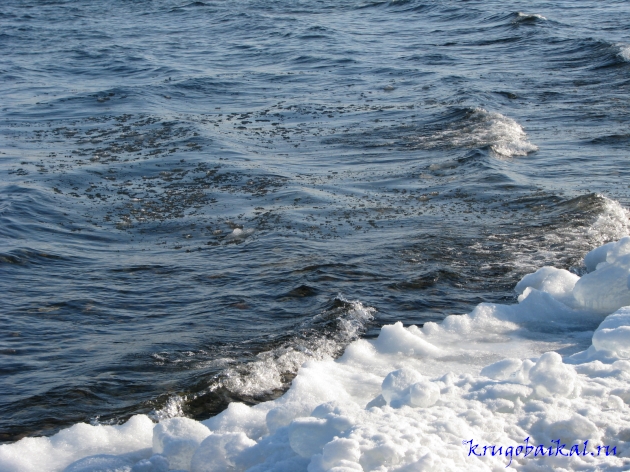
[(481, 128)]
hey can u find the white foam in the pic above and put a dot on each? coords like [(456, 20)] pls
[(171, 409), (481, 128), (624, 53), (612, 223), (266, 373), (79, 441), (414, 398), (531, 15), (534, 248)]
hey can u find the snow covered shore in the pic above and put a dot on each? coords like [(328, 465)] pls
[(552, 370)]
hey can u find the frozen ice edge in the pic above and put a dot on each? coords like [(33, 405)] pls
[(407, 400)]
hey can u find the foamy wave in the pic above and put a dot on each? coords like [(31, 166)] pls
[(270, 371), (580, 230), (504, 135), (611, 224), (481, 128), (624, 53), (530, 16), (172, 409)]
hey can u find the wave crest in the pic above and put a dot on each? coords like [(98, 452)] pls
[(481, 128)]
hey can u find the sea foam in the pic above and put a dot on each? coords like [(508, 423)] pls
[(482, 128), (530, 16), (412, 399)]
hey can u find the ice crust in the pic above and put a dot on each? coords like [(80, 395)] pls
[(555, 366)]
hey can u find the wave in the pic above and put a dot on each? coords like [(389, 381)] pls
[(529, 17), (584, 53), (481, 128), (267, 373), (571, 228), (323, 337)]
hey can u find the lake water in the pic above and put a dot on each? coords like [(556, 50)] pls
[(197, 197)]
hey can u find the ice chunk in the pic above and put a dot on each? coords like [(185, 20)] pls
[(239, 234), (424, 394), (307, 436), (502, 369), (593, 258), (222, 452), (408, 387), (283, 415), (178, 439), (605, 289), (395, 387), (550, 376), (240, 417), (613, 334), (558, 283), (338, 455), (395, 338)]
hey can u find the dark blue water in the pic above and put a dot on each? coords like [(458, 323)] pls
[(194, 195)]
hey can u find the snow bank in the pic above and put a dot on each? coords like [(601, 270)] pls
[(552, 370)]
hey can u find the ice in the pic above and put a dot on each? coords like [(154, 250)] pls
[(553, 367), (222, 452), (502, 369), (396, 386), (606, 288), (240, 418), (558, 283), (423, 394), (613, 335), (177, 439), (79, 442), (395, 338), (550, 376)]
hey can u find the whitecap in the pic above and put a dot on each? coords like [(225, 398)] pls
[(268, 372), (531, 16), (481, 128)]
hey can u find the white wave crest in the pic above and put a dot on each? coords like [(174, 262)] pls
[(171, 409), (531, 15), (624, 53), (559, 245), (268, 372), (481, 128), (611, 224)]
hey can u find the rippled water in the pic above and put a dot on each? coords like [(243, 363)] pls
[(199, 196)]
